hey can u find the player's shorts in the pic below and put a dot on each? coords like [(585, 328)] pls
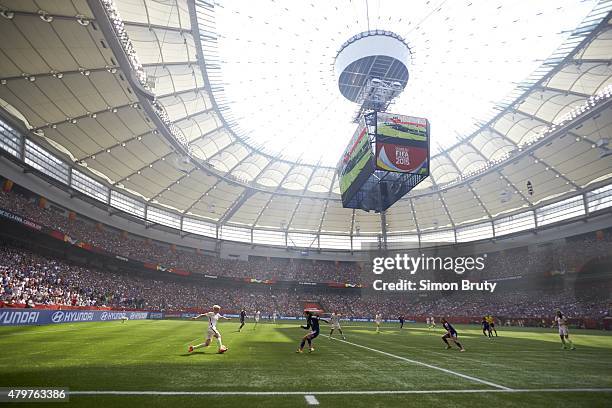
[(492, 325), (256, 320), (211, 333), (450, 334), (313, 334), (377, 322), (563, 331), (336, 326)]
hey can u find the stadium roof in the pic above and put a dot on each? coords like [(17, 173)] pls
[(223, 111)]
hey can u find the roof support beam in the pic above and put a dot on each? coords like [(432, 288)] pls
[(557, 173), (515, 188), (113, 109), (383, 230), (469, 185), (209, 190), (173, 183), (439, 193), (560, 91), (63, 73), (416, 221), (169, 64), (148, 165), (300, 199), (578, 61), (246, 194), (205, 135), (204, 194), (156, 27), (272, 195), (501, 176), (118, 144), (55, 16)]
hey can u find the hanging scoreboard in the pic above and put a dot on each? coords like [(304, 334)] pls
[(387, 156)]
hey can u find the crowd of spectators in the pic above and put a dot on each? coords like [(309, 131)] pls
[(188, 259), (567, 255), (29, 278)]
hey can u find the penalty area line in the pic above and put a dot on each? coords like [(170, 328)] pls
[(445, 370), (313, 393)]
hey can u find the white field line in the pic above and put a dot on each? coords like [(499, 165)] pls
[(445, 370), (357, 392), (311, 400)]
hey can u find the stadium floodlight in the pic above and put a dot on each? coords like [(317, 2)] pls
[(45, 16), (9, 15), (82, 20)]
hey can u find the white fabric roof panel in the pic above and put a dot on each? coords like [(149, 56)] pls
[(250, 167), (308, 215), (36, 47), (208, 144), (337, 219), (250, 210), (155, 45), (168, 13), (400, 218), (174, 78), (277, 212)]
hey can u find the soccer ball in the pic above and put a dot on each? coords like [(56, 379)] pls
[(222, 349)]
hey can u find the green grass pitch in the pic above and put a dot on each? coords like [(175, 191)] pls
[(522, 367)]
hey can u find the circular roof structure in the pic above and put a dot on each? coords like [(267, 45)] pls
[(226, 117), (378, 55)]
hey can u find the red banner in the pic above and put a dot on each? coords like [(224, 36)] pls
[(400, 158)]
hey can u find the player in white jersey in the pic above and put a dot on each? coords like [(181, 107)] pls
[(378, 321), (257, 317), (213, 318), (432, 322), (428, 323), (274, 316), (561, 321), (334, 320)]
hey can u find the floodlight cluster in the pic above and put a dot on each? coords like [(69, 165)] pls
[(124, 39), (128, 47)]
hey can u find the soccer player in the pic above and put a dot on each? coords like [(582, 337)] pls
[(401, 320), (451, 333), (213, 318), (243, 316), (274, 315), (312, 323), (378, 321), (334, 320), (491, 321), (432, 322), (428, 323), (257, 316), (486, 327), (561, 321)]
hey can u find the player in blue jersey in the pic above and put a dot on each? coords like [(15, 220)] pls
[(486, 328), (401, 320), (312, 325), (243, 316), (451, 333)]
